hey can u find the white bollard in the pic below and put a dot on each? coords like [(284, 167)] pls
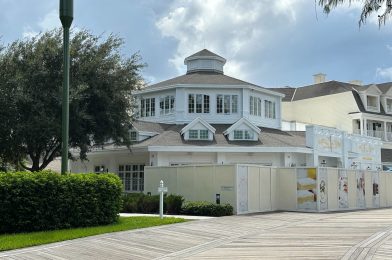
[(161, 190)]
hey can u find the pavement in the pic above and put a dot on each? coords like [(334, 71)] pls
[(168, 216), (280, 235)]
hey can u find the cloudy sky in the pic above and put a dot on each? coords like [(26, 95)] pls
[(271, 43)]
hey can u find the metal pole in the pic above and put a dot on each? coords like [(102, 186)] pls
[(161, 200), (65, 103), (66, 17)]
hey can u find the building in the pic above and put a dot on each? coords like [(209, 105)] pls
[(207, 117), (351, 107)]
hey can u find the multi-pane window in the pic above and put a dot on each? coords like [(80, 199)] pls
[(166, 105), (99, 168), (203, 134), (226, 104), (132, 177), (255, 106), (243, 135), (193, 134), (198, 103), (147, 107), (133, 136), (198, 134), (269, 108)]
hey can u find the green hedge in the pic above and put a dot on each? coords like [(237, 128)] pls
[(141, 203), (204, 208), (47, 200)]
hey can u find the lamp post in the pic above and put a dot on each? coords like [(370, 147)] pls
[(66, 17)]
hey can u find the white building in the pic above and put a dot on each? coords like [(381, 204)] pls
[(206, 117)]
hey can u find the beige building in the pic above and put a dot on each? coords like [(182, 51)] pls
[(351, 107)]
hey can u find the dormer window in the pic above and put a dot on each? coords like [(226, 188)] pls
[(198, 129), (198, 134), (372, 103), (243, 135), (243, 129)]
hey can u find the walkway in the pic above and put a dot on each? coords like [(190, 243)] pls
[(283, 235)]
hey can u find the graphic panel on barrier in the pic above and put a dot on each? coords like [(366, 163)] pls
[(322, 188), (376, 194), (360, 189), (343, 189), (307, 189)]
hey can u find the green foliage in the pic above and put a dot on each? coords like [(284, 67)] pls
[(13, 241), (174, 203), (101, 81), (369, 7), (204, 208), (141, 203), (46, 200)]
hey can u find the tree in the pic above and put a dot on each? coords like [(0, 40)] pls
[(101, 81), (382, 7)]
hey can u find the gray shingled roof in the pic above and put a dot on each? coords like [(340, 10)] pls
[(205, 53), (268, 138), (287, 91), (202, 78), (318, 90)]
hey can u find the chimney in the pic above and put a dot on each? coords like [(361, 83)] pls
[(319, 78), (356, 82)]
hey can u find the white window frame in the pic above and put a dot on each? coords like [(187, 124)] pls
[(147, 107), (226, 104), (198, 133), (167, 105), (255, 104), (204, 103), (132, 177), (245, 135), (269, 109)]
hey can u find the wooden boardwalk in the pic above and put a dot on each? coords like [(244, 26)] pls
[(283, 235)]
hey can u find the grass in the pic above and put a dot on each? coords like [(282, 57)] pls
[(14, 241)]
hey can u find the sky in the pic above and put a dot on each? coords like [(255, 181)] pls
[(271, 43)]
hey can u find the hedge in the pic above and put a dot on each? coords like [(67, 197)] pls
[(204, 208), (141, 203), (46, 200)]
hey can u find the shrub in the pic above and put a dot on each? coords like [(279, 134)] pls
[(149, 204), (47, 200), (204, 208), (174, 203), (141, 203)]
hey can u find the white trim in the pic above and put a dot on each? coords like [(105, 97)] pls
[(218, 86), (194, 122), (230, 149)]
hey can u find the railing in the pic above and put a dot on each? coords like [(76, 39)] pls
[(378, 134)]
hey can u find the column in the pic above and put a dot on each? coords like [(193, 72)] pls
[(361, 125), (385, 131), (364, 126)]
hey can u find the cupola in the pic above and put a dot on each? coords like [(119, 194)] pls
[(205, 61)]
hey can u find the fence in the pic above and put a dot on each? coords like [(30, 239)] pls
[(253, 188)]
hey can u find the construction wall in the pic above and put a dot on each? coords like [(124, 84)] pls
[(252, 188)]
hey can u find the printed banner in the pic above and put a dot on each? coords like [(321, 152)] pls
[(360, 189), (322, 188), (307, 189), (343, 189), (376, 194)]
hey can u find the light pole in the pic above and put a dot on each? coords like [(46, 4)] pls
[(66, 17)]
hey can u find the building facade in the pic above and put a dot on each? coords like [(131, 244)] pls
[(207, 117)]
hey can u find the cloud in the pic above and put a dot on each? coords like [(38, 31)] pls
[(385, 73), (48, 22), (233, 29)]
